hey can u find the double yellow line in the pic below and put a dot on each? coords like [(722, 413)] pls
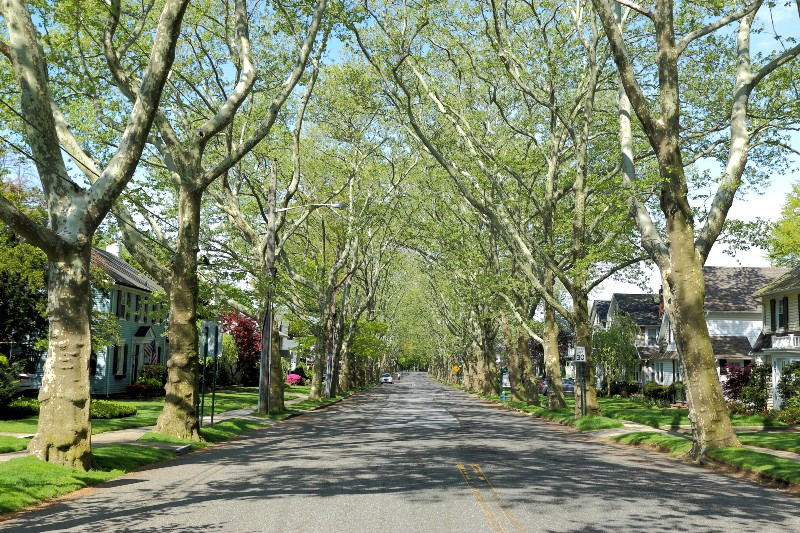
[(497, 522)]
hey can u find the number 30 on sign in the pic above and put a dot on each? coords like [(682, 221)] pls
[(580, 354)]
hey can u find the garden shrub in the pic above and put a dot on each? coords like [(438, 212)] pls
[(789, 415), (8, 381), (789, 384), (738, 408), (152, 387), (109, 409), (135, 390), (20, 408), (676, 391), (758, 388), (158, 372), (654, 391), (293, 379), (737, 380), (624, 389)]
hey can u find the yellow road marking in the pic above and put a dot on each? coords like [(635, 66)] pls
[(501, 503), (491, 518)]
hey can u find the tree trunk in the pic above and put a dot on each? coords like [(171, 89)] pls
[(583, 338), (552, 360), (277, 378), (63, 435), (516, 372), (529, 383), (179, 418), (711, 425)]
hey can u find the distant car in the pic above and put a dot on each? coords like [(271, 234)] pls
[(386, 378), (567, 385)]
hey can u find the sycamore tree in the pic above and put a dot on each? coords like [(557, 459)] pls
[(784, 240), (701, 94), (615, 350), (224, 99), (516, 110), (75, 208)]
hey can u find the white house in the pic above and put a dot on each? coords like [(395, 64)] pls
[(734, 318), (779, 343)]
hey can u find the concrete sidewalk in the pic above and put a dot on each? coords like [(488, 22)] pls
[(132, 435)]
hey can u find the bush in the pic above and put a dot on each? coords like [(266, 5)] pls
[(738, 378), (738, 408), (677, 391), (654, 391), (8, 381), (789, 384), (20, 408), (109, 409), (135, 390), (158, 372), (789, 415), (293, 379), (758, 389), (152, 387), (624, 389)]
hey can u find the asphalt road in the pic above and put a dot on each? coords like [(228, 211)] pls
[(417, 456)]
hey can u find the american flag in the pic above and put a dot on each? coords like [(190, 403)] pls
[(150, 357)]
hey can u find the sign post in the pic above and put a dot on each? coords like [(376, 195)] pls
[(580, 359)]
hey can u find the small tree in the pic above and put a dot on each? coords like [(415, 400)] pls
[(247, 337), (615, 350), (738, 378), (789, 384), (757, 390)]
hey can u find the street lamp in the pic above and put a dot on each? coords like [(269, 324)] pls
[(265, 366)]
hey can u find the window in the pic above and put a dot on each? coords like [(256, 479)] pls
[(120, 359), (723, 366), (121, 301), (783, 315), (652, 336), (772, 315), (128, 304)]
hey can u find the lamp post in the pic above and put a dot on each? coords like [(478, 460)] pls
[(265, 365)]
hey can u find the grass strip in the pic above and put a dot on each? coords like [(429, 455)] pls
[(676, 446), (789, 441), (12, 444), (591, 423), (776, 468), (26, 481), (211, 434)]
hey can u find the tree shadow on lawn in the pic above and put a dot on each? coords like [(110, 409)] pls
[(364, 450)]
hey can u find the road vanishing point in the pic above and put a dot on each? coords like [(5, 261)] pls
[(419, 456)]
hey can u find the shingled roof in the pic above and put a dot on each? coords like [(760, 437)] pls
[(728, 347), (600, 307), (731, 288), (788, 282), (121, 272), (642, 308)]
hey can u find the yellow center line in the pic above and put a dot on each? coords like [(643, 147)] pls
[(491, 518), (501, 503)]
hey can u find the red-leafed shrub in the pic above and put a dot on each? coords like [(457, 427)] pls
[(247, 336)]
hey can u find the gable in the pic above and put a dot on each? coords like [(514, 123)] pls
[(731, 288)]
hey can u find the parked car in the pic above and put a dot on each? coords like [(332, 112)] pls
[(567, 385), (386, 377)]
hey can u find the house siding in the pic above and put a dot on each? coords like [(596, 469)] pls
[(735, 325), (794, 311)]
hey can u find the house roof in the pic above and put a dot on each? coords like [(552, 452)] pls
[(731, 288), (788, 282), (730, 347), (121, 272), (642, 308), (600, 308), (649, 352)]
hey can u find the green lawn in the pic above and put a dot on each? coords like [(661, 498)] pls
[(12, 444), (26, 481), (658, 417), (765, 464), (788, 441), (674, 445)]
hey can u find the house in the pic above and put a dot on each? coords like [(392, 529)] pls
[(141, 326), (779, 342), (733, 317), (644, 310), (599, 313), (141, 322)]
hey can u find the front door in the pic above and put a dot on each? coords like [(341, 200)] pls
[(138, 354)]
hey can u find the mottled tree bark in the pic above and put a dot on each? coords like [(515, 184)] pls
[(64, 431), (179, 417)]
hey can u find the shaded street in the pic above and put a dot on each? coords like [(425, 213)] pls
[(419, 456)]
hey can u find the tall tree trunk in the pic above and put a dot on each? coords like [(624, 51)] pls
[(277, 378), (552, 357), (711, 426), (516, 371), (179, 418), (583, 338), (63, 435)]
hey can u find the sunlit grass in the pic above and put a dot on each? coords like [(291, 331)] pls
[(762, 463), (12, 444), (676, 446), (788, 441)]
